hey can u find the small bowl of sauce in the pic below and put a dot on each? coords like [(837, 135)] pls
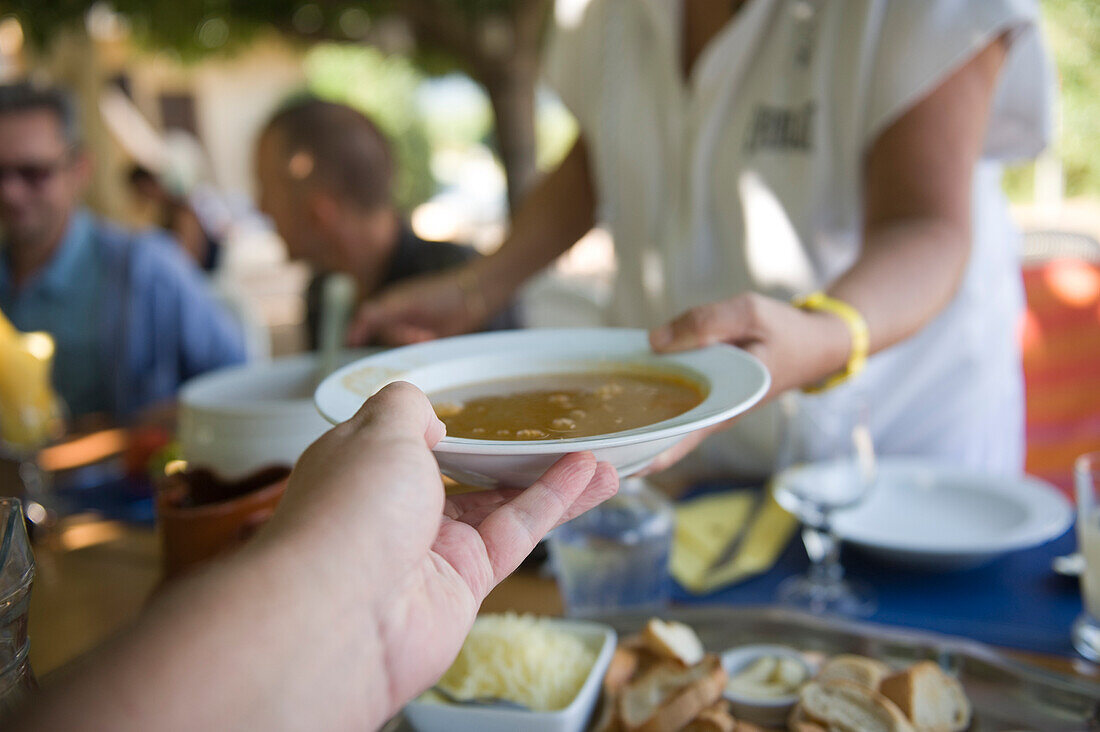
[(764, 681)]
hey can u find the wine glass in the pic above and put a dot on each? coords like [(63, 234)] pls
[(827, 464)]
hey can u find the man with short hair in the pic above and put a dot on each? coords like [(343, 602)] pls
[(131, 315), (326, 175)]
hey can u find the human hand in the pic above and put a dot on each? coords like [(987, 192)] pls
[(368, 501), (420, 309), (799, 347)]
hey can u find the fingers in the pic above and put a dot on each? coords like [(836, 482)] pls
[(461, 507), (404, 334), (365, 323), (727, 321), (402, 409), (604, 485), (513, 530)]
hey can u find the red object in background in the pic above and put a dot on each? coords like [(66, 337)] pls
[(143, 443), (1061, 354)]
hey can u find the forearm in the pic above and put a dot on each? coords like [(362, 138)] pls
[(908, 273), (231, 648), (558, 212)]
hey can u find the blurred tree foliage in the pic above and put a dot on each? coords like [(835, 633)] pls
[(1072, 30), (496, 42), (384, 88)]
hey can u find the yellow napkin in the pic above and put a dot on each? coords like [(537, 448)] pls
[(28, 405), (705, 526)]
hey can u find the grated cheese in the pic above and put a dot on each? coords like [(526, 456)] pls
[(522, 658)]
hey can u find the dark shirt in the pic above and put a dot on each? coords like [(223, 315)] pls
[(411, 257)]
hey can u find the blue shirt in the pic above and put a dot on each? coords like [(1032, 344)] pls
[(63, 300), (132, 317)]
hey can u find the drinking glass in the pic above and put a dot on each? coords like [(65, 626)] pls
[(1086, 629), (615, 556), (827, 464), (16, 576)]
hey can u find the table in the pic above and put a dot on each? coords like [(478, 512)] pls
[(1016, 601), (94, 577)]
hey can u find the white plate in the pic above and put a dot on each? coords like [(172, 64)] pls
[(935, 517), (733, 379)]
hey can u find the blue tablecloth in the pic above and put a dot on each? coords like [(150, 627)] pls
[(1017, 601)]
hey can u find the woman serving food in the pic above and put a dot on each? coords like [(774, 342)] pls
[(816, 182)]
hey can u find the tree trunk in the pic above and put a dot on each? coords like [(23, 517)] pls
[(501, 50)]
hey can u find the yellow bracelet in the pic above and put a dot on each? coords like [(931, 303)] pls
[(857, 327)]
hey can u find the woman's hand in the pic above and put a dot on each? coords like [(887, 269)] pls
[(799, 347), (421, 309)]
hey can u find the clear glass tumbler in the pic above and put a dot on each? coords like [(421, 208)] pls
[(615, 557), (1086, 629), (827, 464), (16, 576)]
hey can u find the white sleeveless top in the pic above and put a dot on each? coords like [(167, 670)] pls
[(748, 177)]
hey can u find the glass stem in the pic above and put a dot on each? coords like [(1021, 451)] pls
[(824, 552)]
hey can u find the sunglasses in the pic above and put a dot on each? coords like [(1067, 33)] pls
[(33, 175)]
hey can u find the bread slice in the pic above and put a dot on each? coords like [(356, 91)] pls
[(857, 669), (624, 662), (607, 718), (673, 640), (799, 722), (843, 706), (668, 696), (715, 718), (932, 700)]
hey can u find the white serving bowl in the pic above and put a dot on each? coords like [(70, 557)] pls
[(237, 420), (768, 712), (732, 379), (429, 716), (933, 517)]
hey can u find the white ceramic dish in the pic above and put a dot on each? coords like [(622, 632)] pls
[(427, 716), (934, 517), (237, 420), (733, 380), (768, 712)]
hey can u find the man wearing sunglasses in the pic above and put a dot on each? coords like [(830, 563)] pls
[(132, 317)]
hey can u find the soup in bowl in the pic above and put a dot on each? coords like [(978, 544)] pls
[(564, 406), (516, 401)]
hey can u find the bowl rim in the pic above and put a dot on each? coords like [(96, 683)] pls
[(722, 401), (593, 678), (744, 655)]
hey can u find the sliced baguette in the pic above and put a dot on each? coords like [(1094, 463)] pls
[(673, 640), (799, 722), (668, 696), (843, 706), (857, 669), (932, 700), (607, 719), (715, 718), (624, 663)]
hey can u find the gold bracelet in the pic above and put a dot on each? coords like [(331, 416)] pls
[(857, 328), (473, 299)]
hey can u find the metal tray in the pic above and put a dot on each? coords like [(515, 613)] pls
[(1006, 694)]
